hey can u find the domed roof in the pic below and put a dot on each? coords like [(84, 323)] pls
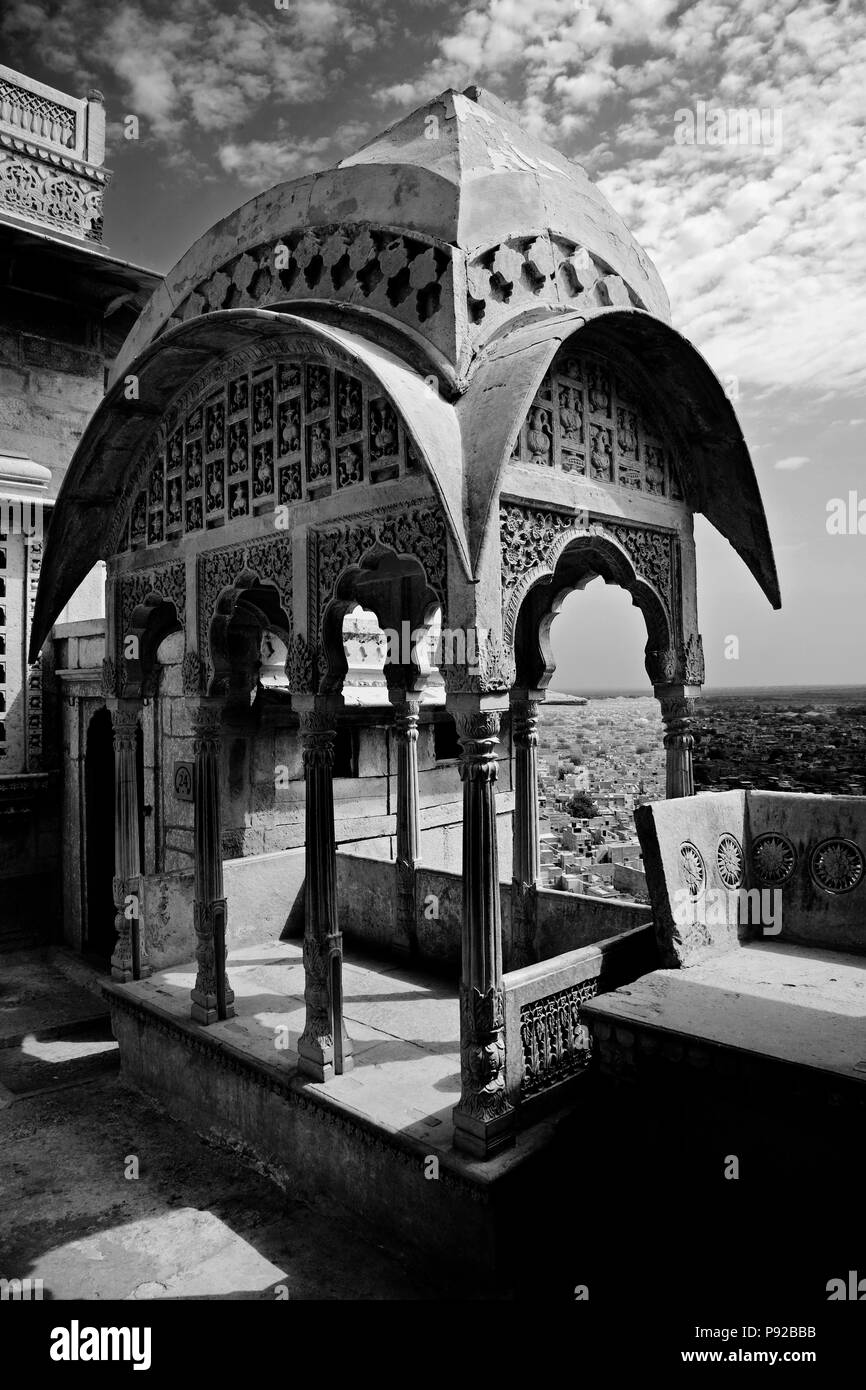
[(510, 182), (444, 230)]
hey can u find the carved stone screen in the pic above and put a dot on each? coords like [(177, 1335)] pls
[(263, 436), (586, 419)]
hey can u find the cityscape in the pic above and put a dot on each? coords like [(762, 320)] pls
[(599, 758)]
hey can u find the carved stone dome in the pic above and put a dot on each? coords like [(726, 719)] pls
[(443, 232)]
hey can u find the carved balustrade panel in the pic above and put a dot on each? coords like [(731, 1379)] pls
[(556, 1045)]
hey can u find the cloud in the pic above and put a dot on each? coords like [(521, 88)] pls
[(260, 163), (790, 465), (193, 67), (760, 245)]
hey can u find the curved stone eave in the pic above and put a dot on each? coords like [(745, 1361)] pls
[(101, 466), (508, 376), (415, 201)]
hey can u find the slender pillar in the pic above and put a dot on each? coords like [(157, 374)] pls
[(129, 961), (212, 998), (324, 1050), (406, 715), (677, 712), (526, 855), (483, 1118)]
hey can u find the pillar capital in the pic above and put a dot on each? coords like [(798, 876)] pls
[(678, 708), (318, 730), (206, 718), (125, 720), (407, 713), (478, 732), (524, 723)]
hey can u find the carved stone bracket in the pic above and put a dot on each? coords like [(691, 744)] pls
[(304, 667), (683, 665), (191, 673), (109, 677), (493, 670)]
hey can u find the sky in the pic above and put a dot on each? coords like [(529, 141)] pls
[(761, 245)]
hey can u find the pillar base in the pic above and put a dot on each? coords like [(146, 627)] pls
[(482, 1138), (203, 1008), (316, 1060), (122, 974)]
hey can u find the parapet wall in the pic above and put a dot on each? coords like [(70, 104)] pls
[(799, 857)]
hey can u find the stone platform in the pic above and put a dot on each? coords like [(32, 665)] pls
[(782, 1019), (377, 1140)]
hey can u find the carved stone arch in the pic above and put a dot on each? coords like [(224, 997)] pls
[(150, 605), (395, 587), (260, 573), (243, 612), (573, 558)]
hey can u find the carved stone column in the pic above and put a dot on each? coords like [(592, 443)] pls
[(324, 1050), (129, 961), (526, 856), (483, 1118), (406, 714), (677, 712), (212, 998)]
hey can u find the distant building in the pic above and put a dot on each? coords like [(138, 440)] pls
[(65, 308)]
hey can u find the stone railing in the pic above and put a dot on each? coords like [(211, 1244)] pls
[(366, 888), (52, 148), (546, 1043)]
